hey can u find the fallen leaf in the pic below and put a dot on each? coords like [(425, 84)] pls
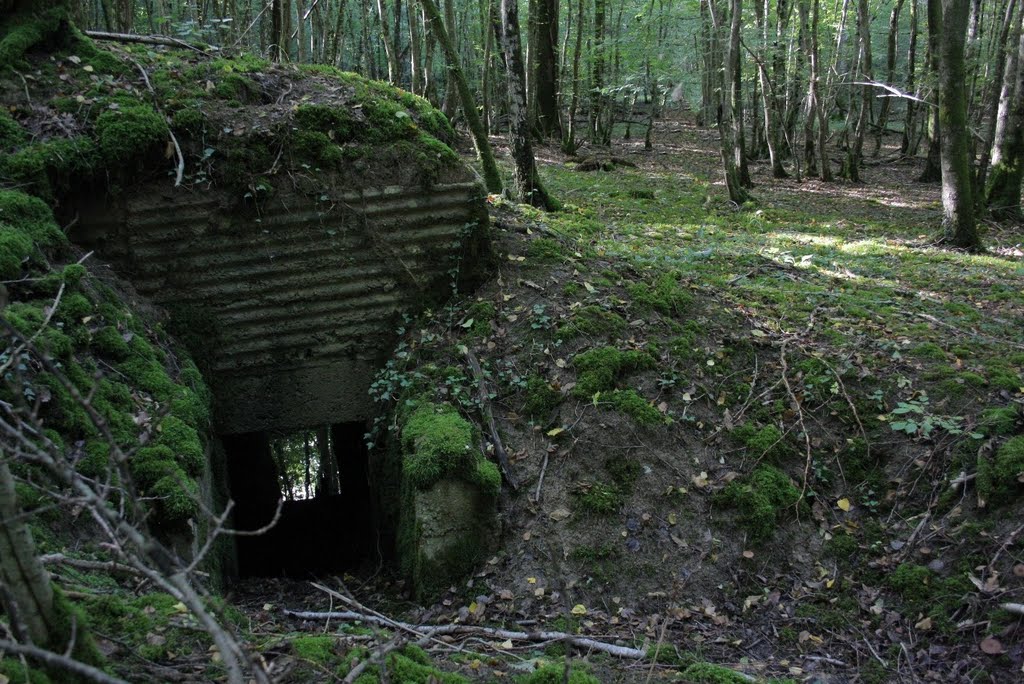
[(843, 504), (560, 514), (506, 644), (590, 288), (924, 624), (554, 432), (700, 480), (991, 646), (579, 609), (748, 554)]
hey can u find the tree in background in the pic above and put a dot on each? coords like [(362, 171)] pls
[(958, 219)]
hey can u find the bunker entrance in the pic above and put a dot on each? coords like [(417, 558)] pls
[(321, 477)]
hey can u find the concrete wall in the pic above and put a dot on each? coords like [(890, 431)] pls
[(296, 301)]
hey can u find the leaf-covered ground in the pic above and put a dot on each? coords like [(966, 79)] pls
[(783, 438)]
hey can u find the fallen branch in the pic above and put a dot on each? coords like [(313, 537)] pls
[(1015, 608), (58, 661), (492, 426), (180, 168), (491, 632), (83, 564), (147, 40)]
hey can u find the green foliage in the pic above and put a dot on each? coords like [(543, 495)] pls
[(666, 296), (636, 407), (135, 619), (128, 132), (24, 30), (555, 674), (1001, 421), (600, 498), (52, 165), (593, 321), (599, 369), (317, 649), (763, 442), (12, 135), (109, 342), (706, 673), (543, 250), (439, 443), (1000, 476), (541, 398), (183, 441), (762, 498)]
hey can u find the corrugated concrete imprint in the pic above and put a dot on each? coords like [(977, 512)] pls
[(302, 296)]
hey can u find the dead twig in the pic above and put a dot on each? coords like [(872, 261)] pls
[(177, 148), (492, 426), (146, 40), (433, 631)]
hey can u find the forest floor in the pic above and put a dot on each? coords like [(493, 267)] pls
[(783, 438)]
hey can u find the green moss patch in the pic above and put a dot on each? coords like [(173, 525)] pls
[(592, 321), (762, 499), (1001, 477), (598, 370), (666, 295)]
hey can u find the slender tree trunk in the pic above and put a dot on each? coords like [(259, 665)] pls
[(726, 111), (908, 146), (545, 80), (492, 179), (932, 172), (415, 59), (823, 116), (451, 91), (1004, 195), (890, 72), (29, 596), (855, 149), (528, 188), (597, 101), (807, 45), (735, 73), (328, 475), (1006, 56), (569, 140), (957, 203), (389, 45)]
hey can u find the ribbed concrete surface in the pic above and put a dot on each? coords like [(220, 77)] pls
[(306, 293)]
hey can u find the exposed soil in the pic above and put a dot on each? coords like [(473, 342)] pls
[(883, 571)]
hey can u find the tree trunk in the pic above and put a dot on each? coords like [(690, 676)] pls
[(932, 172), (890, 72), (569, 140), (545, 79), (1006, 63), (389, 45), (597, 101), (908, 145), (855, 147), (328, 476), (734, 70), (451, 90), (528, 188), (957, 204), (35, 614), (726, 129), (1003, 197), (492, 179)]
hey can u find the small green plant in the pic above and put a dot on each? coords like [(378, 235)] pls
[(912, 417)]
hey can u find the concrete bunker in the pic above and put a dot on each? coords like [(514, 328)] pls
[(289, 288)]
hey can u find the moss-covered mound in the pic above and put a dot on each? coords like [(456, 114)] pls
[(238, 124), (115, 379)]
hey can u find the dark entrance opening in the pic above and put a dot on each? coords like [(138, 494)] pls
[(321, 476)]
